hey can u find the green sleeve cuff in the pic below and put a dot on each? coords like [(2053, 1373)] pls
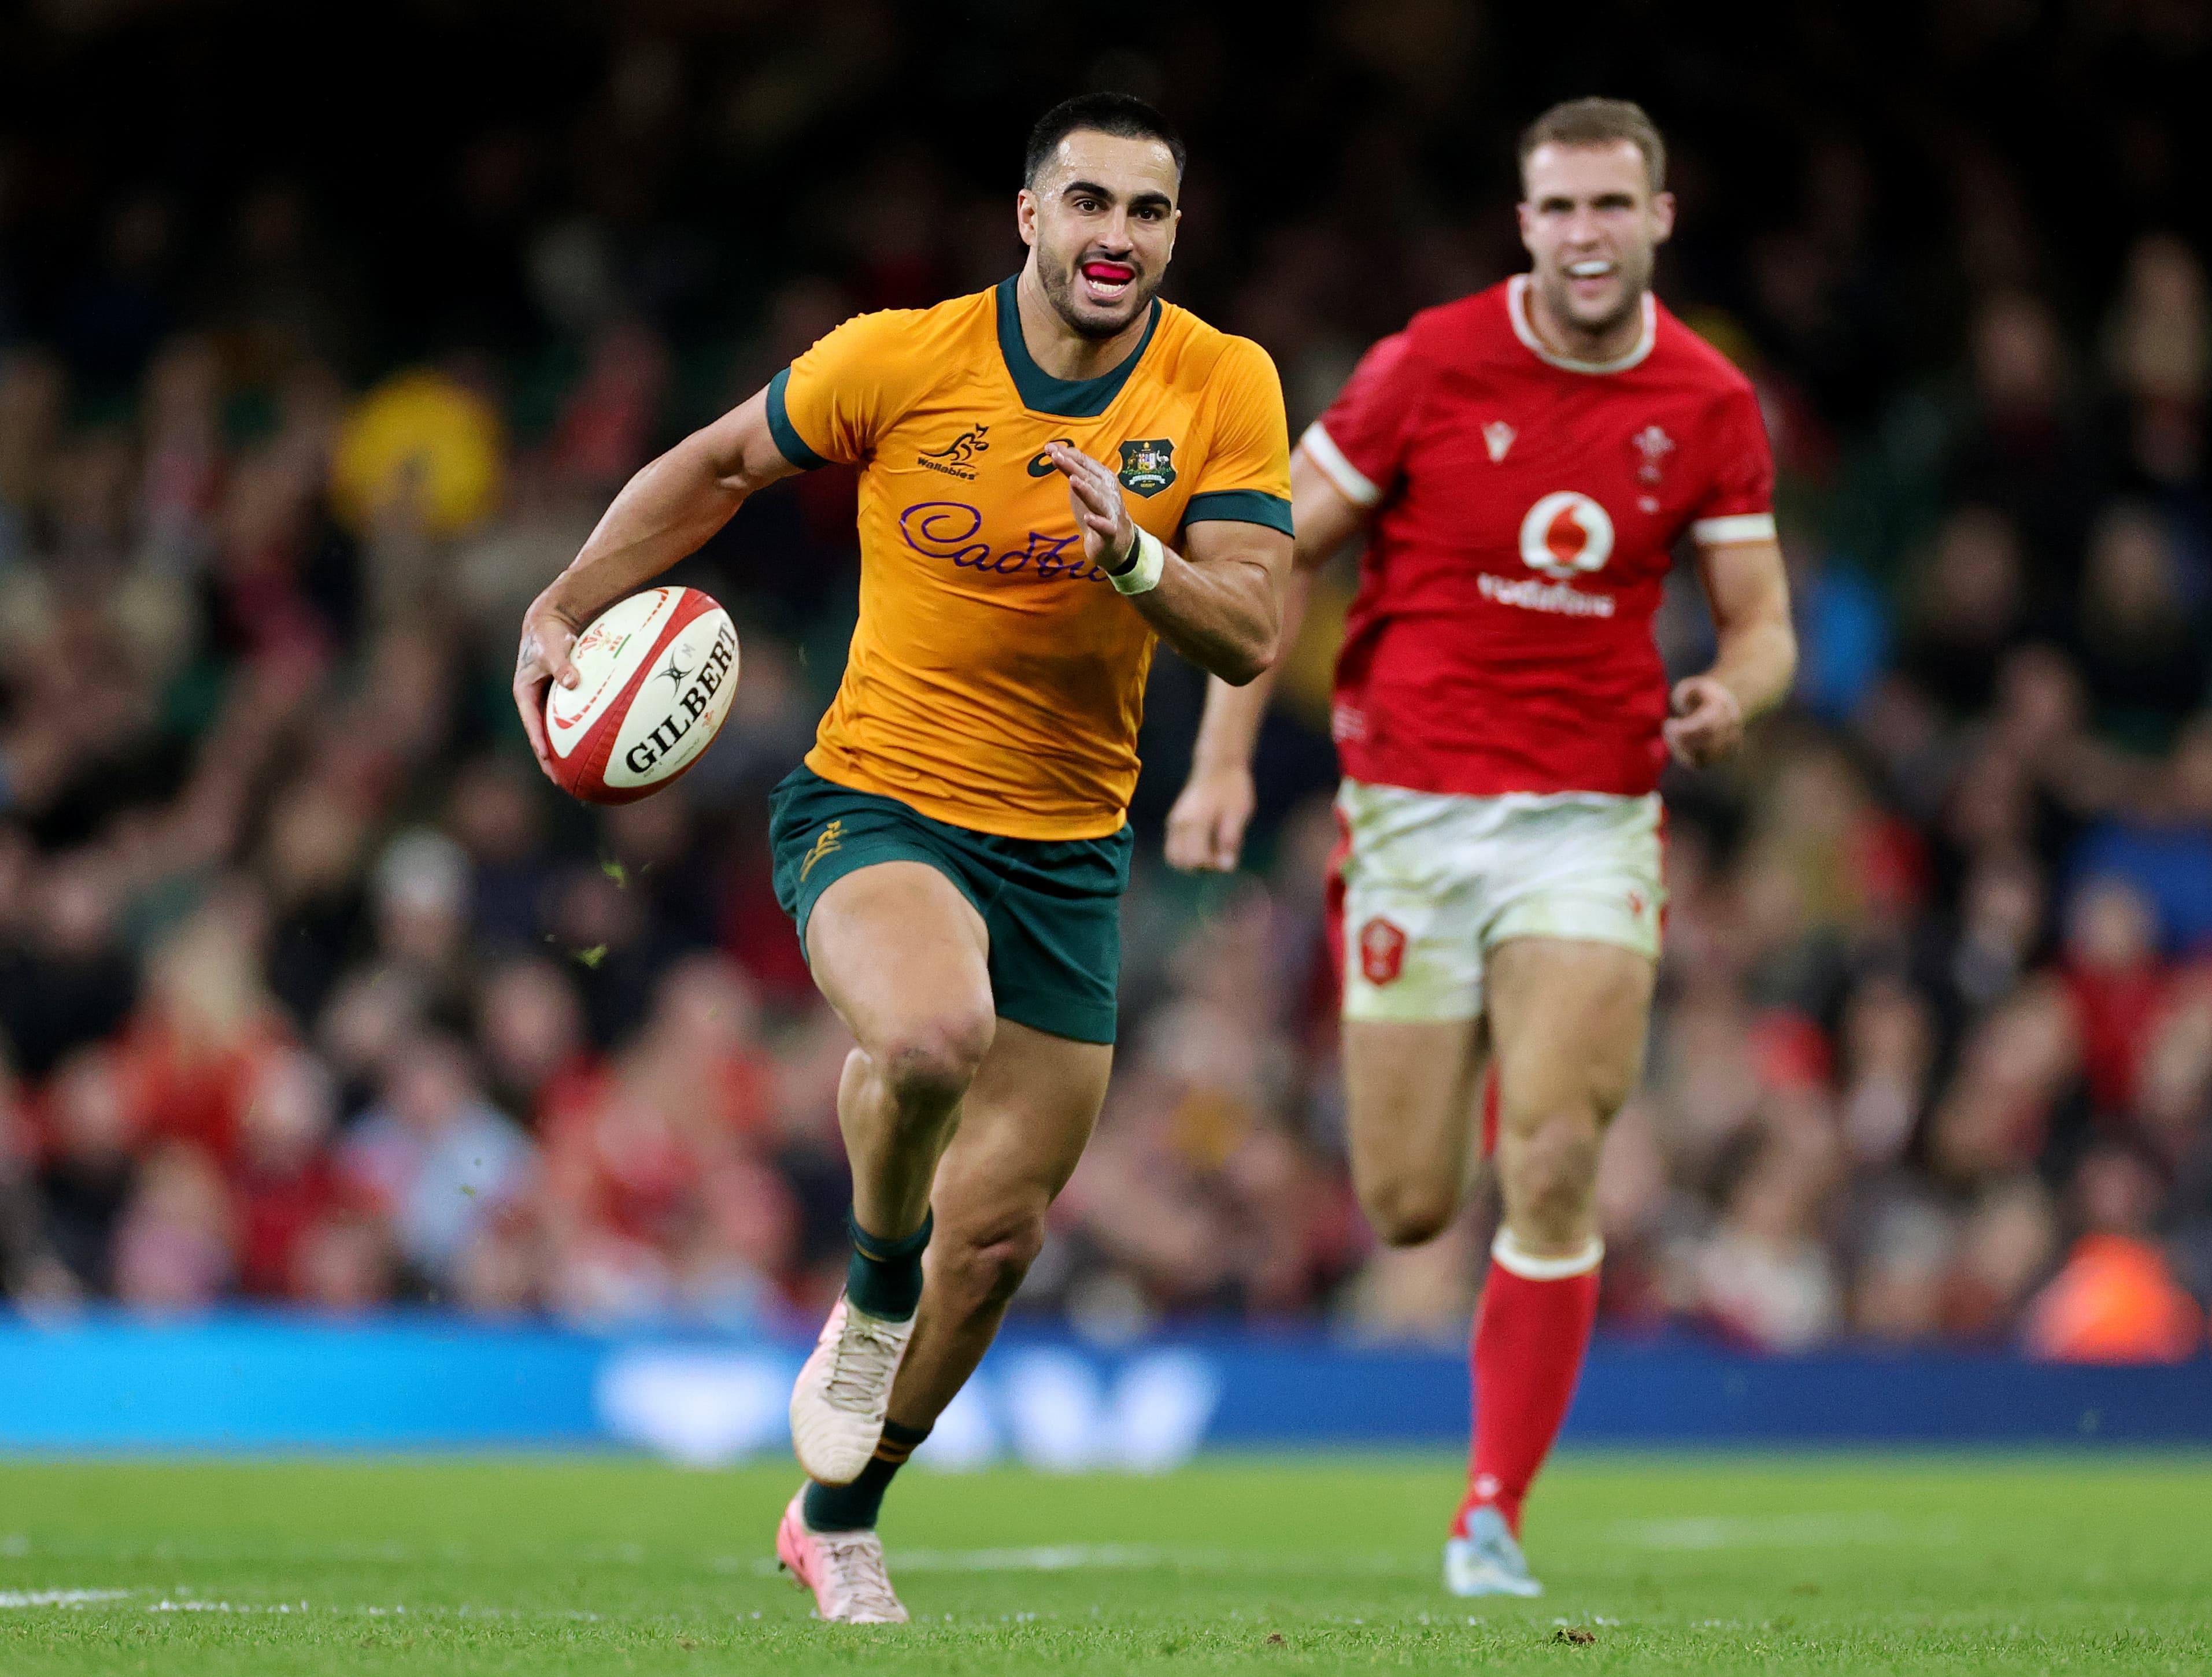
[(1236, 506), (788, 442)]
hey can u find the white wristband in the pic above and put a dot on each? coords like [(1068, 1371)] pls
[(1145, 571)]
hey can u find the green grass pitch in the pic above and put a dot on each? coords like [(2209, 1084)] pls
[(1837, 1563)]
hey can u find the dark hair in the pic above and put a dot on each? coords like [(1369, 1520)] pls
[(1598, 122), (1122, 115)]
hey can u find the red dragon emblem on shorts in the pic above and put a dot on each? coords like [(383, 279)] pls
[(1382, 951)]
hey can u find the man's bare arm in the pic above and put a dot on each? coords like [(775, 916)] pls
[(1218, 602), (664, 513), (1748, 587), (1206, 828)]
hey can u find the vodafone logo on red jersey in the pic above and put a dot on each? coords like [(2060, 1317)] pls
[(1566, 535)]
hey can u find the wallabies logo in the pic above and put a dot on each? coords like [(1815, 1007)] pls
[(958, 458), (1148, 467)]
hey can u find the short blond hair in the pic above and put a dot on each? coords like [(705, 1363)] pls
[(1598, 122)]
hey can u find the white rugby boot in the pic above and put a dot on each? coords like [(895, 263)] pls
[(837, 1405), (1487, 1561), (844, 1569)]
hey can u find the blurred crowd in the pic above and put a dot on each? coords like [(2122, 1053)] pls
[(313, 992)]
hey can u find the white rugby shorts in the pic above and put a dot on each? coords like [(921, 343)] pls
[(1432, 882)]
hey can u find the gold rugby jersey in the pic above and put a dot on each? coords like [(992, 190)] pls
[(996, 680)]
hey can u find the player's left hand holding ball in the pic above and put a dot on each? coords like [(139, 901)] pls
[(1707, 724)]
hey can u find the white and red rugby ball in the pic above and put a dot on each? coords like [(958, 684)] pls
[(655, 675)]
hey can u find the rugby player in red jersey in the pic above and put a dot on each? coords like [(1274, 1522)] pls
[(1522, 463)]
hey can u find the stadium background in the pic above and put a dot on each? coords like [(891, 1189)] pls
[(325, 333)]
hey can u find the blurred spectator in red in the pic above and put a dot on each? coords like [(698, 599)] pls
[(605, 431), (2116, 1299), (283, 1178), (2116, 986), (191, 1054), (636, 1156)]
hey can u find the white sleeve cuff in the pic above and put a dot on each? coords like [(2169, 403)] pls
[(1352, 482), (1741, 527)]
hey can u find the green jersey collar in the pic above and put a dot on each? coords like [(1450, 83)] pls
[(1069, 398)]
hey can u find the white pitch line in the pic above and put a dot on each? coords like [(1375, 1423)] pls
[(1777, 1531), (59, 1598), (1054, 1558), (194, 1604), (1103, 1557), (1043, 1558)]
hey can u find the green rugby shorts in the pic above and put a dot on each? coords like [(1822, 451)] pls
[(1052, 908)]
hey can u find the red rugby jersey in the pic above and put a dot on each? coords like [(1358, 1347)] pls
[(1525, 508)]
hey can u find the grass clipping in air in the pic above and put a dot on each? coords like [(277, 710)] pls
[(576, 1566)]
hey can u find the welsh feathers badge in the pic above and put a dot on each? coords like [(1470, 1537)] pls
[(1148, 467)]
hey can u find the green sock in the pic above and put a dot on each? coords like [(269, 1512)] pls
[(854, 1507), (884, 1277)]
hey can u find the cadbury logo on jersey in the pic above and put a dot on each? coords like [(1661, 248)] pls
[(952, 530)]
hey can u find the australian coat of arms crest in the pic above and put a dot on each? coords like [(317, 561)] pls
[(1148, 467)]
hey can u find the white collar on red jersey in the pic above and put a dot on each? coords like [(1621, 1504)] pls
[(1517, 305)]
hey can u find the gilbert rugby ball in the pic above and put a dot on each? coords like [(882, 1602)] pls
[(655, 675)]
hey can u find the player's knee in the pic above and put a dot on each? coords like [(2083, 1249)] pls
[(1553, 1177), (1609, 1091), (987, 1266), (1407, 1214), (928, 1063)]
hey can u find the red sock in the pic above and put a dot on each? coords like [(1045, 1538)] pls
[(1529, 1336)]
